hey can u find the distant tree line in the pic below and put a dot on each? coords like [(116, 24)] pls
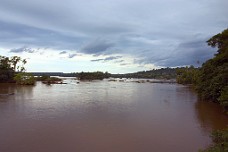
[(60, 74), (163, 73)]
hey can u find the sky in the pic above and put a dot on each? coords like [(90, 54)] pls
[(118, 36)]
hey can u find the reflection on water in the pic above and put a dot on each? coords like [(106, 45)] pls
[(210, 115), (11, 91), (105, 116)]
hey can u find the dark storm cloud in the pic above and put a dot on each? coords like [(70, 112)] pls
[(110, 58), (22, 49), (72, 55), (15, 34), (97, 60), (63, 52), (164, 33), (97, 47), (186, 53), (190, 53)]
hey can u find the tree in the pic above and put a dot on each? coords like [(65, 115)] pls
[(213, 76), (187, 75), (6, 71), (220, 139), (24, 78), (15, 60), (211, 79), (220, 41), (10, 66), (5, 62)]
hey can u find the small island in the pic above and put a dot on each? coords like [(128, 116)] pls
[(83, 76)]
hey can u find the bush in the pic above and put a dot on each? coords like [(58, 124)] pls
[(42, 78), (187, 75), (220, 139), (24, 79), (93, 75)]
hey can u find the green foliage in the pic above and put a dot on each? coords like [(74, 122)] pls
[(93, 75), (42, 78), (220, 41), (52, 80), (223, 99), (48, 80), (24, 79), (6, 72), (5, 63), (14, 62), (163, 73), (220, 139), (187, 75), (8, 67), (211, 79), (213, 76)]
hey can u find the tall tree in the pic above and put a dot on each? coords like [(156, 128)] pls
[(8, 67), (213, 76)]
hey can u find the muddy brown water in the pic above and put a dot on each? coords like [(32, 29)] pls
[(105, 116)]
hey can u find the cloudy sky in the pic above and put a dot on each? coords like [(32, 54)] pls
[(118, 36)]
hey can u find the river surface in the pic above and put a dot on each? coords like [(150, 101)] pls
[(104, 116)]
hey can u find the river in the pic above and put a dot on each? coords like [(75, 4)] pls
[(105, 116)]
